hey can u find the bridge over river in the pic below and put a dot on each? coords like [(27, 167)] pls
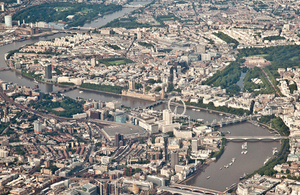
[(254, 138), (65, 90), (189, 190)]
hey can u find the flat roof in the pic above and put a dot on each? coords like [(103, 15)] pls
[(126, 130)]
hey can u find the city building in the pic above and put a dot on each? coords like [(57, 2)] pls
[(8, 20), (37, 127), (167, 116), (48, 71), (174, 159), (194, 145)]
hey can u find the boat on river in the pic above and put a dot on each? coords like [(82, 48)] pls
[(80, 91), (208, 177), (267, 160), (243, 176), (245, 146)]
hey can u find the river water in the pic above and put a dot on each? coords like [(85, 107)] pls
[(15, 77), (107, 18), (258, 152), (219, 179)]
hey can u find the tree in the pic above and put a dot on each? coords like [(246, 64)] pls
[(153, 140), (157, 89), (142, 141)]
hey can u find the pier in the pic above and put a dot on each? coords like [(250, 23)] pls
[(65, 90), (4, 69)]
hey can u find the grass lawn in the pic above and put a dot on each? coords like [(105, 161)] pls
[(115, 61)]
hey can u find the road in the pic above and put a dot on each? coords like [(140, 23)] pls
[(270, 82)]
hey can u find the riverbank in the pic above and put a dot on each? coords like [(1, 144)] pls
[(67, 86), (197, 172)]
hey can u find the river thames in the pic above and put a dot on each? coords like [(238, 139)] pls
[(219, 179)]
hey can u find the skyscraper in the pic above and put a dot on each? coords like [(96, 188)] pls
[(162, 92), (194, 145), (8, 20), (167, 116), (117, 139), (48, 71), (174, 159), (166, 146), (37, 126)]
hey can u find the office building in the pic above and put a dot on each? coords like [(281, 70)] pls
[(139, 35), (104, 187), (93, 61), (120, 119), (8, 20), (87, 189), (48, 71), (166, 146), (205, 57), (3, 153), (174, 159), (119, 140), (2, 6), (167, 116), (194, 145)]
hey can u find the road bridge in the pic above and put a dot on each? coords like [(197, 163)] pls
[(228, 121), (154, 104), (82, 28), (65, 90), (254, 138), (185, 189)]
